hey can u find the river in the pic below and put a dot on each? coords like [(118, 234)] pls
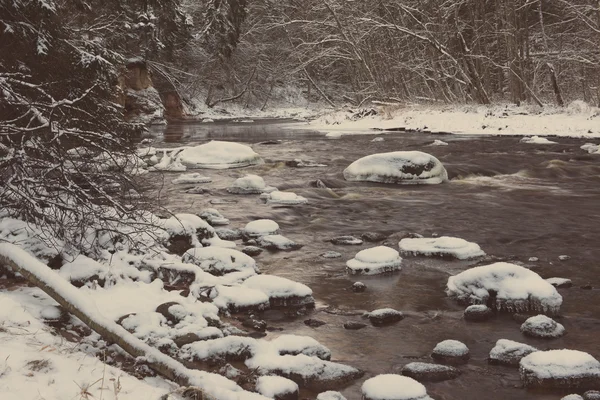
[(515, 200)]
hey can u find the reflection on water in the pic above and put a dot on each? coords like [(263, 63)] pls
[(515, 200)]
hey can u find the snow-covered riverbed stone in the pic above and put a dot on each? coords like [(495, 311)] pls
[(281, 292), (250, 184), (536, 140), (430, 372), (278, 242), (405, 167), (572, 397), (506, 287), (542, 326), (191, 178), (509, 352), (478, 313), (330, 395), (393, 387), (346, 240), (261, 227), (331, 254), (560, 369), (218, 155), (228, 234), (385, 316), (560, 282), (285, 198), (220, 261), (213, 217), (451, 352), (277, 388), (185, 231), (444, 246), (376, 260)]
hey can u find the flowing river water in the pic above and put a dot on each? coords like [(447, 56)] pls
[(515, 200)]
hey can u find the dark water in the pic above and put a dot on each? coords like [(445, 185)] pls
[(515, 200)]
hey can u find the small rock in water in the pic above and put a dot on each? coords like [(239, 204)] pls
[(358, 287), (451, 352), (191, 178), (284, 198), (256, 324), (376, 260), (564, 257), (261, 227), (223, 201), (278, 242), (197, 190), (213, 217), (444, 246), (543, 327), (252, 250), (393, 387), (373, 237), (560, 282), (319, 184), (228, 234), (591, 395), (533, 259), (250, 184), (478, 313), (438, 142), (385, 316), (346, 240), (560, 369), (314, 323), (587, 286), (430, 372), (352, 325), (378, 139), (298, 163), (508, 352), (331, 254), (330, 395), (270, 142)]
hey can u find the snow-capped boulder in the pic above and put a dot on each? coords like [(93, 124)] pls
[(82, 270), (451, 352), (572, 397), (330, 395), (430, 372), (444, 246), (185, 231), (504, 286), (478, 313), (358, 287), (508, 352), (560, 369), (438, 142), (591, 148), (591, 395), (393, 387), (285, 198), (277, 388), (252, 251), (192, 178), (250, 184), (385, 316), (536, 140), (281, 292), (542, 326), (560, 282), (278, 242), (376, 260), (228, 234), (218, 155), (213, 217), (238, 298), (294, 345), (405, 167), (261, 227), (220, 261)]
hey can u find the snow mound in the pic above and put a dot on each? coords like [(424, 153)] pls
[(478, 313), (294, 344), (238, 298), (191, 178), (167, 163), (560, 369), (218, 155), (505, 286), (572, 397), (560, 282), (536, 140), (451, 352), (330, 395), (444, 246), (438, 142), (541, 326), (397, 167), (278, 242), (275, 386), (219, 261), (376, 260), (281, 292), (250, 184), (261, 227), (285, 198), (393, 387), (213, 217), (429, 372), (508, 352), (188, 225), (591, 148), (83, 269)]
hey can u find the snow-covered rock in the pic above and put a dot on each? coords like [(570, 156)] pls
[(451, 352), (407, 167), (213, 217), (330, 395), (430, 372), (385, 316), (376, 260), (294, 345), (261, 227), (393, 387), (560, 282), (185, 231), (281, 292), (192, 178), (331, 254), (508, 352), (250, 184), (277, 388), (220, 261), (438, 142), (219, 155), (444, 246), (536, 140), (285, 198), (346, 240), (238, 298), (478, 313), (541, 326), (228, 234), (560, 369), (82, 270), (168, 164), (505, 286), (278, 242), (591, 148)]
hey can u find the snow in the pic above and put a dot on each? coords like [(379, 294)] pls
[(82, 268), (591, 148), (167, 163), (30, 238), (441, 246), (572, 397), (277, 287), (239, 297), (516, 288), (213, 217), (219, 261), (558, 364), (272, 386), (192, 178), (509, 352), (402, 167), (287, 198), (330, 395), (50, 313), (393, 387), (375, 260), (543, 327), (451, 348), (557, 282), (277, 242), (218, 155), (250, 184), (261, 227), (536, 140), (438, 142), (294, 344)]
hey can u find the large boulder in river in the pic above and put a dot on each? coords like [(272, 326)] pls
[(282, 292), (508, 352), (445, 246), (376, 260), (451, 352), (277, 388), (543, 327), (560, 369), (393, 387), (430, 372), (219, 155), (220, 261), (404, 167)]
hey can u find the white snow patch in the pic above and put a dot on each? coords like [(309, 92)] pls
[(441, 246), (277, 287), (451, 348), (375, 260), (193, 177), (558, 364), (219, 261), (536, 140), (272, 386), (393, 387), (218, 155), (261, 227), (250, 184), (287, 198)]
